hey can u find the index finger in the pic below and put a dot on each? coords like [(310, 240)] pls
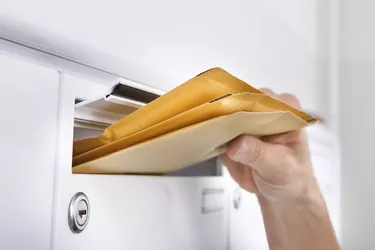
[(290, 100)]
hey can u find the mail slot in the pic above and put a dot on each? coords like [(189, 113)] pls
[(92, 116)]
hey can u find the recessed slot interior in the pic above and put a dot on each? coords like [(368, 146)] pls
[(210, 167)]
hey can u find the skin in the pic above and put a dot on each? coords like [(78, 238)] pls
[(278, 170)]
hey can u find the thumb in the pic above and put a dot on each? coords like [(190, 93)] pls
[(271, 161)]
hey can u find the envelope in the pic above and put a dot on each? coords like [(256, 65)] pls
[(203, 88), (187, 125)]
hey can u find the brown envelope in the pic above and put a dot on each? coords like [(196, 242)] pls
[(203, 88), (183, 114), (191, 145)]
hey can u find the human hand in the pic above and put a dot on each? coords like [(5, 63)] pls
[(276, 167)]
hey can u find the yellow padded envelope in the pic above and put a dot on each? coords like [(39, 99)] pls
[(203, 88), (226, 105), (191, 145)]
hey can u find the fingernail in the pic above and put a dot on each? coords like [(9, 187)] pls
[(236, 150)]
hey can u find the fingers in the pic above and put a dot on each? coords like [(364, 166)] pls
[(240, 173), (270, 161), (245, 149), (284, 97), (284, 138), (290, 99), (272, 158), (268, 91), (235, 169)]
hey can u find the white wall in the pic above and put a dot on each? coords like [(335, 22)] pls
[(267, 43), (357, 89), (28, 105)]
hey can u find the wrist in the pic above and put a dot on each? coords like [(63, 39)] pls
[(312, 197), (303, 223)]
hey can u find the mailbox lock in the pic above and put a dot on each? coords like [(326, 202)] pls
[(79, 212)]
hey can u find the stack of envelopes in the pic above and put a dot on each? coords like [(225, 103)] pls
[(187, 125)]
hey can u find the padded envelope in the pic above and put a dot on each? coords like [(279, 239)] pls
[(191, 145), (203, 88)]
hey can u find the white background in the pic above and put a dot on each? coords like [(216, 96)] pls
[(357, 89)]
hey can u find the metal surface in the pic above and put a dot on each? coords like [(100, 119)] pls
[(103, 111), (92, 125), (79, 212)]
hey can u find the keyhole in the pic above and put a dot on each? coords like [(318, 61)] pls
[(81, 213)]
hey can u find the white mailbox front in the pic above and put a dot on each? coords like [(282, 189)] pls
[(28, 105), (187, 209)]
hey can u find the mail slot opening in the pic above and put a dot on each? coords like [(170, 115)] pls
[(92, 117), (211, 167)]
